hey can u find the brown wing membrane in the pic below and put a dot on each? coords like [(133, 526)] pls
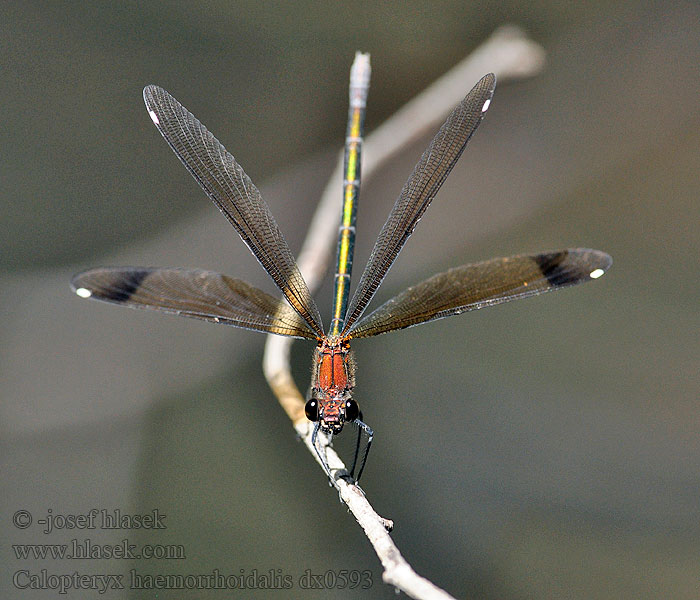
[(193, 293), (225, 182), (420, 189), (471, 287)]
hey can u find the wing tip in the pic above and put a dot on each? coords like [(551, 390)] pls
[(573, 265), (483, 90), (488, 82), (81, 286), (78, 289), (602, 263), (77, 282), (100, 283), (150, 90), (150, 93), (595, 262), (597, 258)]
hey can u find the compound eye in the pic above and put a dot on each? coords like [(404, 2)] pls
[(311, 410), (352, 410)]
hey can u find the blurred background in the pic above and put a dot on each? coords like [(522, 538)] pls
[(543, 449)]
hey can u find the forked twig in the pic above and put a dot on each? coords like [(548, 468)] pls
[(510, 55)]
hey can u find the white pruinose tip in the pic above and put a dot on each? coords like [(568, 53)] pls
[(597, 273), (361, 70), (83, 292), (485, 107), (360, 73), (154, 117)]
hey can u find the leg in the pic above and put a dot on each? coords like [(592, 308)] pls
[(357, 445), (370, 435), (314, 443)]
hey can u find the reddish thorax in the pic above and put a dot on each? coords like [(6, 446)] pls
[(333, 380)]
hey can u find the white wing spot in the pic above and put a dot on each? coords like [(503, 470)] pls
[(485, 107), (597, 273), (154, 117), (83, 292)]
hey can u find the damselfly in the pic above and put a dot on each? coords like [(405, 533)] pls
[(221, 299)]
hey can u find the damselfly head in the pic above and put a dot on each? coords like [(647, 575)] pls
[(332, 413)]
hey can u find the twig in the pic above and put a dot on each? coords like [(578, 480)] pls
[(509, 54)]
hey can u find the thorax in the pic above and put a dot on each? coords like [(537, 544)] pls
[(333, 369)]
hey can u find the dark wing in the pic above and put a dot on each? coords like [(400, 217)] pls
[(420, 189), (225, 182), (192, 293), (471, 287)]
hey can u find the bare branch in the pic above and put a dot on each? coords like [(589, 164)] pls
[(509, 54)]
